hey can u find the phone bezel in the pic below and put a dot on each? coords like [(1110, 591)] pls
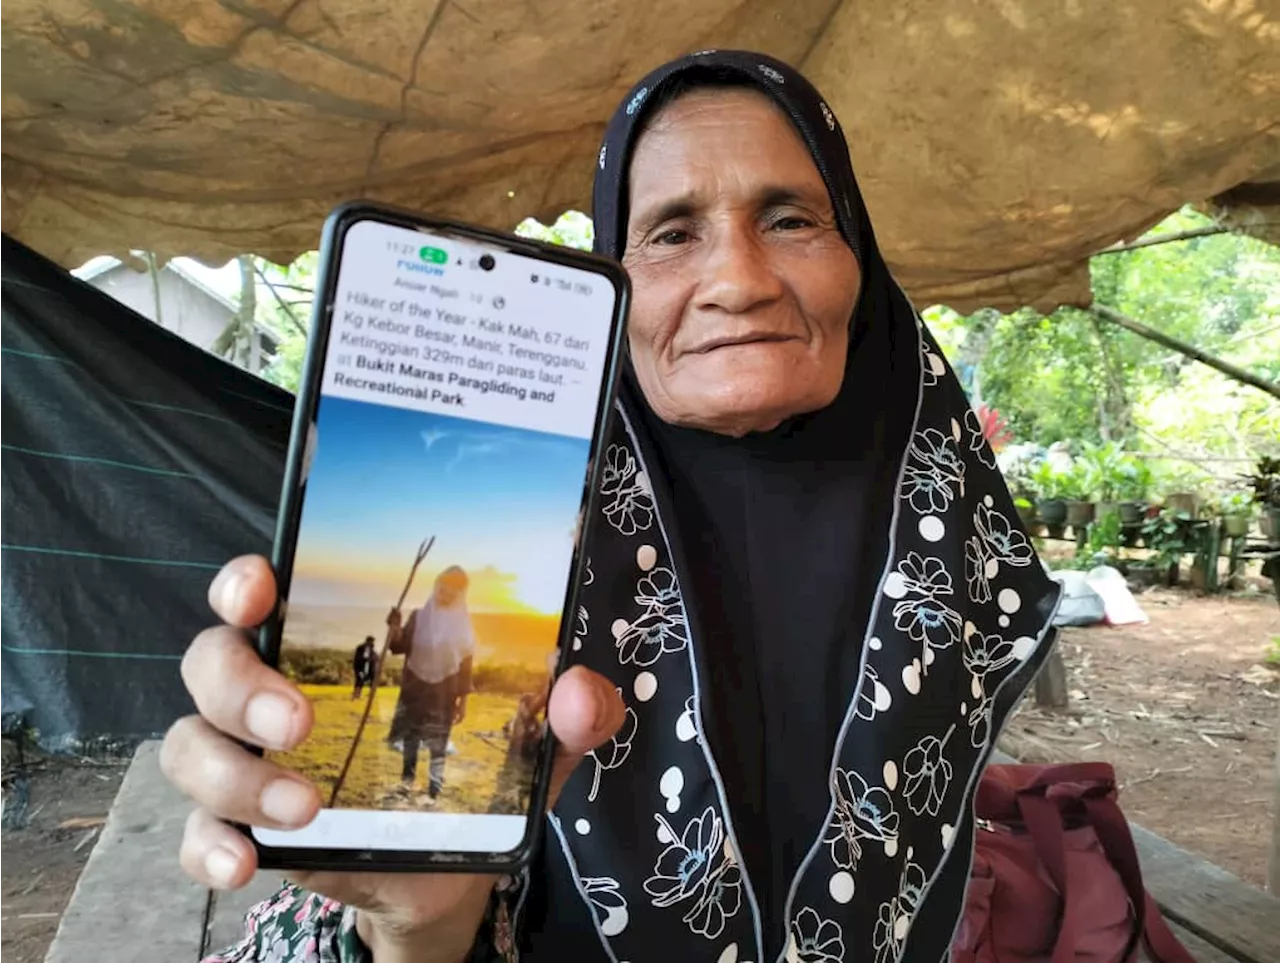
[(294, 489)]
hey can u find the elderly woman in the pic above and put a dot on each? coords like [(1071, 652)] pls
[(829, 609), (439, 646)]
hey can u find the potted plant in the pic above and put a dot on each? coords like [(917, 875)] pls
[(1018, 464), (1166, 537), (1026, 511), (1236, 509), (1078, 486), (1186, 503), (1105, 464), (1265, 482), (1051, 504), (1133, 489)]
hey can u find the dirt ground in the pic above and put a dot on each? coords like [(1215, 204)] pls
[(59, 805), (1187, 710)]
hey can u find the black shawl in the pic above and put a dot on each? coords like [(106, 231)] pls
[(818, 632)]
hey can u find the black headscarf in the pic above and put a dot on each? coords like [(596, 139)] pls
[(784, 532), (810, 696)]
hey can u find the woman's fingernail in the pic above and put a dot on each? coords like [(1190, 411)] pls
[(222, 865), (287, 801), (603, 700), (227, 591), (269, 717)]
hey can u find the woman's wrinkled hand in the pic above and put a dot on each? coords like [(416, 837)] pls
[(239, 698)]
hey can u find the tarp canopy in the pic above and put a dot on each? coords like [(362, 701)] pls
[(134, 465), (999, 144)]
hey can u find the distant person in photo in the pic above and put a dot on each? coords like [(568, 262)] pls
[(362, 663), (439, 644), (524, 733)]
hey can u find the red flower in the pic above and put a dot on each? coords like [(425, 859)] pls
[(994, 428)]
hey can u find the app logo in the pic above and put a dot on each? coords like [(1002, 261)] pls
[(431, 261)]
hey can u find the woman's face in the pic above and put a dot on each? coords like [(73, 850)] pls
[(743, 286), (449, 589)]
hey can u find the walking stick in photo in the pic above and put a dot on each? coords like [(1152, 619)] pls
[(423, 549)]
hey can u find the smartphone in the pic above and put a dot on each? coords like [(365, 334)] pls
[(443, 459)]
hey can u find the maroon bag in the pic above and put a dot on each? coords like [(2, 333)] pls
[(1055, 875)]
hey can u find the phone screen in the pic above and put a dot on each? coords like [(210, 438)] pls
[(448, 466)]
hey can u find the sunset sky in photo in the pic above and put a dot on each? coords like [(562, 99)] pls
[(501, 502)]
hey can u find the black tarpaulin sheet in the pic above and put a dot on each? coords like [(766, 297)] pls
[(134, 464)]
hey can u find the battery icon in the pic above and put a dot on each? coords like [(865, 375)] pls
[(433, 255)]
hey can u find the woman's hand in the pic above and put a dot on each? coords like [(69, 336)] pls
[(427, 917)]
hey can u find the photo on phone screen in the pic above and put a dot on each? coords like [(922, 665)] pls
[(449, 454)]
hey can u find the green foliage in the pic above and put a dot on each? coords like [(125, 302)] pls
[(1079, 483), (1234, 503), (1048, 483), (1265, 482), (1135, 481), (1043, 374), (1069, 376), (1272, 656), (284, 305), (1104, 536), (1104, 466), (1114, 475), (571, 229), (1168, 536), (1202, 290)]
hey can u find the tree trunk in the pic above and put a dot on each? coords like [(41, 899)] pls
[(248, 312), (1224, 367), (234, 341), (1273, 877), (1114, 411), (1165, 239), (1051, 681), (155, 285)]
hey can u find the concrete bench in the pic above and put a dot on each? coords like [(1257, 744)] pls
[(1218, 916), (134, 903)]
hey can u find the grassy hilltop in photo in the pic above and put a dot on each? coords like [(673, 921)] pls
[(511, 654)]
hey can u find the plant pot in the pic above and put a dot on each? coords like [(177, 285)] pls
[(1235, 526), (1080, 513), (1131, 513), (1053, 512), (1143, 576), (1270, 523), (1027, 513), (1187, 502), (1107, 508)]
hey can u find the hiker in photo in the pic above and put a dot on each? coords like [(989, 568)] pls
[(362, 663), (439, 644)]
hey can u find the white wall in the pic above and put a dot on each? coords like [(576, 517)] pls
[(184, 308)]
